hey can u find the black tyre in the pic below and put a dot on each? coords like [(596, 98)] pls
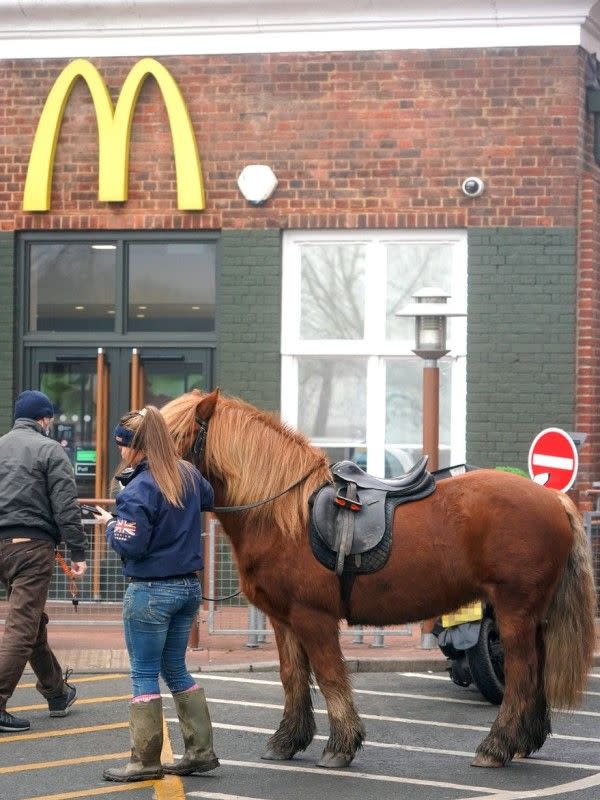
[(486, 662)]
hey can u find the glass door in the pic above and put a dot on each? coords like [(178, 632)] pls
[(165, 374), (69, 378), (84, 387), (91, 388)]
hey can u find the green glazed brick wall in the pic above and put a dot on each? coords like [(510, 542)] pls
[(249, 303), (521, 340), (7, 272)]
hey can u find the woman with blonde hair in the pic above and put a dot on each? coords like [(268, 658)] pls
[(156, 530)]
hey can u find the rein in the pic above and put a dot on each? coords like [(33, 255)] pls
[(198, 452), (236, 509), (73, 588)]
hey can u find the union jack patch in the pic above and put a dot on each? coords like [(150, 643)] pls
[(124, 529)]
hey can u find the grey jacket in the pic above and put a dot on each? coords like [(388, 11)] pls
[(38, 494)]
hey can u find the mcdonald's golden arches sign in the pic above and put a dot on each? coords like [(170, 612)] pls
[(114, 130)]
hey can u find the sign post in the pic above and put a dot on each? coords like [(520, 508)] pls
[(553, 460)]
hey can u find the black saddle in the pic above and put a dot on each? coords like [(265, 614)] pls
[(350, 530), (349, 472)]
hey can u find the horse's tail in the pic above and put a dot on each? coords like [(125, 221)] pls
[(570, 632)]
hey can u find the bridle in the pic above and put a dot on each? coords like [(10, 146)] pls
[(197, 453), (199, 442)]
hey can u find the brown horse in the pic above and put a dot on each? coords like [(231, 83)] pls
[(486, 534)]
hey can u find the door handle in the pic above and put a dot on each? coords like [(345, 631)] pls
[(164, 358)]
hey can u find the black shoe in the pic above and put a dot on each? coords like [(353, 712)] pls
[(59, 706), (11, 724)]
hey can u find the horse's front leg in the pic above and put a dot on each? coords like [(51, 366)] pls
[(319, 635), (297, 728)]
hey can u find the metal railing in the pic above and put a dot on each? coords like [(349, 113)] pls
[(235, 616), (100, 592), (227, 612)]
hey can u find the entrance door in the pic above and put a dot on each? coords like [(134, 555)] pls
[(91, 389)]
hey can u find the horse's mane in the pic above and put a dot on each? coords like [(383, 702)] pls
[(254, 456)]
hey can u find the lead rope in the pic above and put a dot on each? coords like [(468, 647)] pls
[(73, 588)]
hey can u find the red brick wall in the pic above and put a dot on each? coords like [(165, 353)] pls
[(588, 335), (587, 368), (356, 140)]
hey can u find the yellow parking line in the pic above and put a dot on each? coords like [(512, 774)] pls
[(22, 737), (86, 679), (64, 762), (81, 701), (116, 787), (171, 786), (168, 788)]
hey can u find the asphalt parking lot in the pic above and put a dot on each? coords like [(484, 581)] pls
[(421, 735)]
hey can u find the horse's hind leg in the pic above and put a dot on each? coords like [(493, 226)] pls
[(297, 728), (319, 635), (541, 726), (523, 722)]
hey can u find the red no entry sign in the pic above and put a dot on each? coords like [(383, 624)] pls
[(553, 459)]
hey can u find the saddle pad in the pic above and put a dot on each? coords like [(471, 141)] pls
[(369, 522), (367, 561), (372, 527)]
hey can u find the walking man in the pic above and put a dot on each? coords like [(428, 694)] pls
[(38, 506)]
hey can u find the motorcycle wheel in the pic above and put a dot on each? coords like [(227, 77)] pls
[(486, 662)]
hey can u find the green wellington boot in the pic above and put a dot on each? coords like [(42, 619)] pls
[(146, 729), (196, 729)]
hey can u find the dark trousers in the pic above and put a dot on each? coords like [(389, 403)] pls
[(26, 569)]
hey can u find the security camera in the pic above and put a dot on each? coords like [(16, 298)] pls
[(473, 187)]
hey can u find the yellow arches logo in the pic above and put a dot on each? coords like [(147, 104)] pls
[(114, 129)]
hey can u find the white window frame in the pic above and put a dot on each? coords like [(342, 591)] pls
[(374, 345)]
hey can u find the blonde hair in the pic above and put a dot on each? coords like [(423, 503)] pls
[(151, 439)]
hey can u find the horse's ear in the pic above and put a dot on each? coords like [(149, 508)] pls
[(206, 405)]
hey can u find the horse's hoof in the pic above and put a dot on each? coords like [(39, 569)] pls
[(274, 755), (486, 761), (331, 760)]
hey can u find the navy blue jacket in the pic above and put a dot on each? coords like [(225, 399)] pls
[(154, 538)]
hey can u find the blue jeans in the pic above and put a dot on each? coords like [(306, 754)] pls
[(158, 617)]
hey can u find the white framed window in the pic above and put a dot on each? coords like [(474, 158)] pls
[(350, 381)]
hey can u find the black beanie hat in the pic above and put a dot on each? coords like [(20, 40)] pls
[(32, 404)]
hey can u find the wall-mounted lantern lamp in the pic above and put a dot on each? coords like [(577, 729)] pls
[(593, 106), (592, 83)]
